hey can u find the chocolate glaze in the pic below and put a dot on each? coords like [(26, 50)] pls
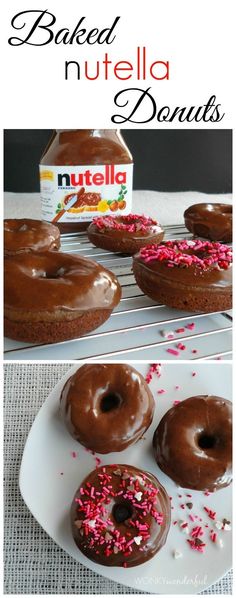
[(124, 241), (123, 479), (191, 287), (26, 235), (210, 220), (111, 400), (58, 281), (193, 443)]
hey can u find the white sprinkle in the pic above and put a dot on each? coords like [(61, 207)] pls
[(108, 536), (117, 472), (227, 527), (125, 476), (191, 243), (177, 554), (219, 524), (184, 528), (138, 540), (92, 523), (115, 549), (167, 334), (220, 543), (140, 480), (130, 487), (138, 496)]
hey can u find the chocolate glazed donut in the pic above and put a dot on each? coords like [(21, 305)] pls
[(25, 235), (193, 443), (120, 516), (189, 275), (210, 220), (55, 296), (107, 407), (124, 234)]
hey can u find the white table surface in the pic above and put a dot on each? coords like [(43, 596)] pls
[(167, 208)]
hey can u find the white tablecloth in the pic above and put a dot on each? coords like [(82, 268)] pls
[(167, 208)]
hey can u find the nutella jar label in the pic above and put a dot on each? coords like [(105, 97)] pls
[(79, 193)]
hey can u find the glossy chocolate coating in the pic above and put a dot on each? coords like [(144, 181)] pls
[(26, 235), (122, 240), (191, 288), (58, 281), (193, 443), (107, 407), (106, 550), (191, 275), (210, 220)]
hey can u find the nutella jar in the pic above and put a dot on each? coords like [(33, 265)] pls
[(85, 173)]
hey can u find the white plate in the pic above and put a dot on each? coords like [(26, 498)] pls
[(54, 465)]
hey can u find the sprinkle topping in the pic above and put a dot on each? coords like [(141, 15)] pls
[(96, 520), (184, 254), (132, 223)]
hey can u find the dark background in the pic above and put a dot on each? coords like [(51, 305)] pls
[(165, 160)]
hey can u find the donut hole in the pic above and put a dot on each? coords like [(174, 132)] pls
[(52, 275), (206, 441), (122, 511), (110, 402)]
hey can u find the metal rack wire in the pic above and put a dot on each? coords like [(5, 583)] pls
[(136, 327)]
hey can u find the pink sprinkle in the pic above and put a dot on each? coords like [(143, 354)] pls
[(197, 532), (196, 544), (207, 493), (194, 374), (194, 351), (181, 347), (176, 403), (98, 461), (189, 495), (191, 517), (161, 391), (179, 330), (74, 454), (213, 536), (154, 368), (172, 352), (177, 387), (190, 326), (210, 513)]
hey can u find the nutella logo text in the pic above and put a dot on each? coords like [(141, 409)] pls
[(88, 178)]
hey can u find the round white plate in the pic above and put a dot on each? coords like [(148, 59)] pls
[(54, 465)]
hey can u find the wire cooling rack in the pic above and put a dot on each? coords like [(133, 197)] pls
[(138, 327)]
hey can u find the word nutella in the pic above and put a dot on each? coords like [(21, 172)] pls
[(110, 177), (85, 173)]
